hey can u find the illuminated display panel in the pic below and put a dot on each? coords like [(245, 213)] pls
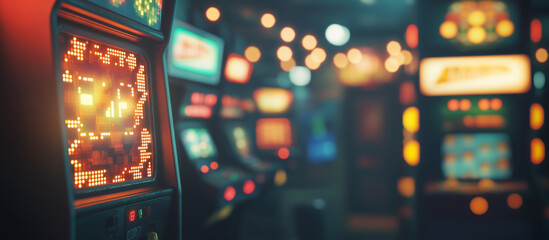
[(238, 69), (273, 100), (272, 133), (198, 143), (147, 12), (199, 105), (497, 74), (476, 156), (194, 54), (107, 112), (241, 141)]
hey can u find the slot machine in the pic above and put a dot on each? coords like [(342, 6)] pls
[(274, 134), (211, 185), (236, 107), (93, 146), (474, 177)]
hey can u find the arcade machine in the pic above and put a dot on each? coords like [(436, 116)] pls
[(93, 132), (211, 185), (236, 104), (474, 81)]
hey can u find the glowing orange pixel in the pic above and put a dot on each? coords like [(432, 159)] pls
[(103, 111)]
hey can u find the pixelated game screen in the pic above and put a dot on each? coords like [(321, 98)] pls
[(198, 143), (477, 156), (147, 12), (107, 113)]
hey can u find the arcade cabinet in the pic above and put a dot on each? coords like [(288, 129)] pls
[(474, 179), (93, 148)]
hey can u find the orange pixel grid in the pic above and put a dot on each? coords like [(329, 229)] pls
[(107, 113)]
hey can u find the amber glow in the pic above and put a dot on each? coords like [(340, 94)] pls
[(476, 35), (537, 116), (406, 186), (340, 60), (311, 63), (268, 20), (537, 151), (411, 153), (287, 65), (501, 74), (464, 105), (393, 47), (479, 205), (476, 18), (536, 31), (287, 34), (354, 55), (309, 42), (273, 133), (238, 69), (412, 36), (541, 55), (213, 14), (410, 119), (514, 201), (319, 55), (107, 111), (505, 28), (448, 30), (273, 100), (453, 105), (391, 64), (284, 53), (252, 53), (496, 104), (280, 177)]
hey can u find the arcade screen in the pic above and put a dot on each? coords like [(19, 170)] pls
[(107, 112), (241, 141), (194, 54), (272, 133), (198, 143), (476, 156), (147, 12)]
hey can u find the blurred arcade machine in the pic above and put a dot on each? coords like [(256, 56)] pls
[(211, 185), (538, 131), (474, 178), (94, 156)]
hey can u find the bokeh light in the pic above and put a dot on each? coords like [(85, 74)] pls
[(212, 14), (287, 65), (476, 35), (252, 53), (505, 28), (284, 53), (309, 42), (341, 60), (300, 76), (448, 29), (354, 55), (479, 205), (541, 55), (337, 35), (268, 20), (287, 34), (393, 47)]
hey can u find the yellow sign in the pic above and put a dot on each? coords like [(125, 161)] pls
[(497, 74)]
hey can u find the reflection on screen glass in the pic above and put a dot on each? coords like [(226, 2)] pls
[(241, 141), (107, 112), (198, 143), (148, 12), (476, 156)]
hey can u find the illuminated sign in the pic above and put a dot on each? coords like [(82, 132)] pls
[(198, 143), (498, 74), (273, 133), (476, 156), (238, 69), (234, 107), (273, 100), (194, 54), (107, 112), (477, 22), (200, 106), (148, 12)]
